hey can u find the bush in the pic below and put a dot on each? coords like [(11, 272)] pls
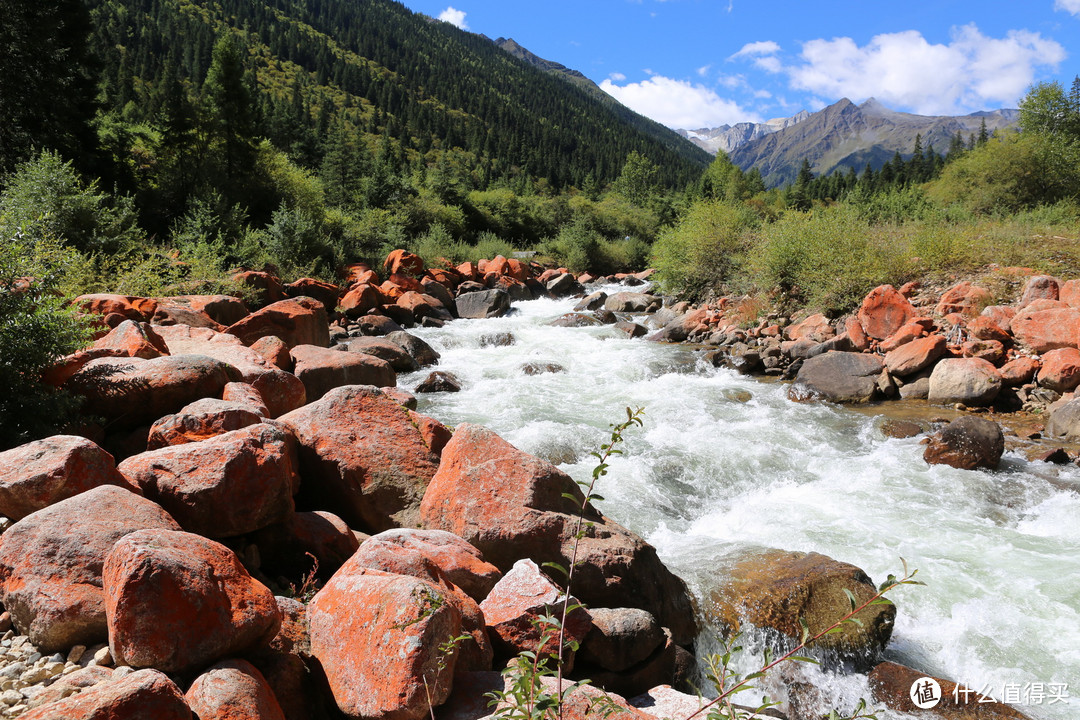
[(705, 249), (36, 328)]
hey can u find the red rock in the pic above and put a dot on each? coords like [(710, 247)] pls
[(445, 276), (990, 350), (222, 309), (282, 391), (299, 689), (984, 328), (264, 286), (133, 308), (322, 369), (511, 505), (133, 339), (1045, 304), (1045, 330), (884, 311), (891, 684), (815, 327), (378, 636), (1019, 371), (201, 420), (160, 584), (964, 298), (297, 321), (306, 541), (359, 273), (1069, 293), (246, 395), (274, 350), (390, 291), (223, 486), (66, 367), (1000, 314), (515, 609), (233, 690), (132, 392), (916, 355), (462, 563), (139, 696), (407, 283), (421, 305), (41, 473), (363, 457), (1060, 370), (1039, 287), (907, 333), (50, 563), (403, 261), (856, 335), (324, 292), (434, 433), (361, 299), (468, 271), (909, 289)]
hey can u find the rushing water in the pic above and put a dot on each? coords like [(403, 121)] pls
[(726, 462)]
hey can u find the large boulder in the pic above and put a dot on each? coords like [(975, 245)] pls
[(43, 472), (385, 349), (160, 584), (843, 377), (321, 370), (138, 696), (894, 685), (225, 486), (632, 302), (51, 560), (131, 392), (483, 304), (297, 321), (917, 355), (1064, 421), (201, 420), (512, 505), (884, 311), (1060, 370), (133, 339), (139, 309), (967, 443), (306, 542), (363, 456), (222, 309), (776, 591), (233, 690), (1039, 287), (620, 638), (379, 638), (971, 381), (1045, 330), (420, 351), (964, 298)]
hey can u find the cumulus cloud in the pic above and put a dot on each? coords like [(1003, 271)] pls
[(904, 70), (756, 49), (678, 103), (455, 17), (617, 76), (1072, 6)]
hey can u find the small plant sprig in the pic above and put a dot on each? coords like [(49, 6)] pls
[(728, 683)]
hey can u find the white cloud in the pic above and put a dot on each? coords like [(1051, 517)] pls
[(454, 17), (1072, 6), (903, 70), (617, 77), (756, 49), (704, 70), (677, 103)]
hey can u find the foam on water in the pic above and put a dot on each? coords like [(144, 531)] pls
[(726, 462)]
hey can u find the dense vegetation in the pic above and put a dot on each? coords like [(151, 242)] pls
[(152, 147)]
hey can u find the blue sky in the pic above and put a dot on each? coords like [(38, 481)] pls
[(704, 63)]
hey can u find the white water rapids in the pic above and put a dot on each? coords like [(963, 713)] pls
[(712, 471)]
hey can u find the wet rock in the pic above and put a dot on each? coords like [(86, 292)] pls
[(201, 420), (43, 472), (224, 486), (385, 349), (132, 392), (594, 301), (159, 584), (632, 302), (420, 351), (900, 429), (321, 370), (511, 505), (500, 339), (632, 329), (535, 368), (297, 321), (838, 377), (137, 696), (884, 311), (775, 590), (892, 684), (562, 284), (1060, 370), (971, 381), (967, 443), (51, 560), (233, 690), (483, 304), (363, 456), (378, 325), (439, 381), (378, 636), (573, 320)]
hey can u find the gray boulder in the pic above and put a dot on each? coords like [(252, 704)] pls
[(633, 302), (423, 353), (970, 381), (1064, 422), (843, 377), (483, 304)]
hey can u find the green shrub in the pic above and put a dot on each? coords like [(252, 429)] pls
[(36, 328), (705, 249)]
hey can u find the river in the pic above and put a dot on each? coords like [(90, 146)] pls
[(725, 462)]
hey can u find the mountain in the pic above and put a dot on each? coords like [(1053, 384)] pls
[(845, 135), (728, 137), (385, 75)]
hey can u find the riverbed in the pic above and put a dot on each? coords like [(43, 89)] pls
[(726, 462)]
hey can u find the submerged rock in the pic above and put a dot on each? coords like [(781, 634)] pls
[(967, 443)]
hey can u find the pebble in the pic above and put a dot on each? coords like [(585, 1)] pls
[(103, 657), (25, 672), (75, 654)]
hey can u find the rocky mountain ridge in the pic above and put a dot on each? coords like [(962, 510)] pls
[(728, 137)]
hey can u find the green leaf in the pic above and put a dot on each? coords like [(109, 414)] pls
[(851, 598)]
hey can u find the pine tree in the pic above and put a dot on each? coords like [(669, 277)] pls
[(229, 107)]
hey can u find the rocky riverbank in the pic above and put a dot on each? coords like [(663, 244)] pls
[(271, 451)]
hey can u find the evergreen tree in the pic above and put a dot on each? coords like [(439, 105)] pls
[(229, 108)]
